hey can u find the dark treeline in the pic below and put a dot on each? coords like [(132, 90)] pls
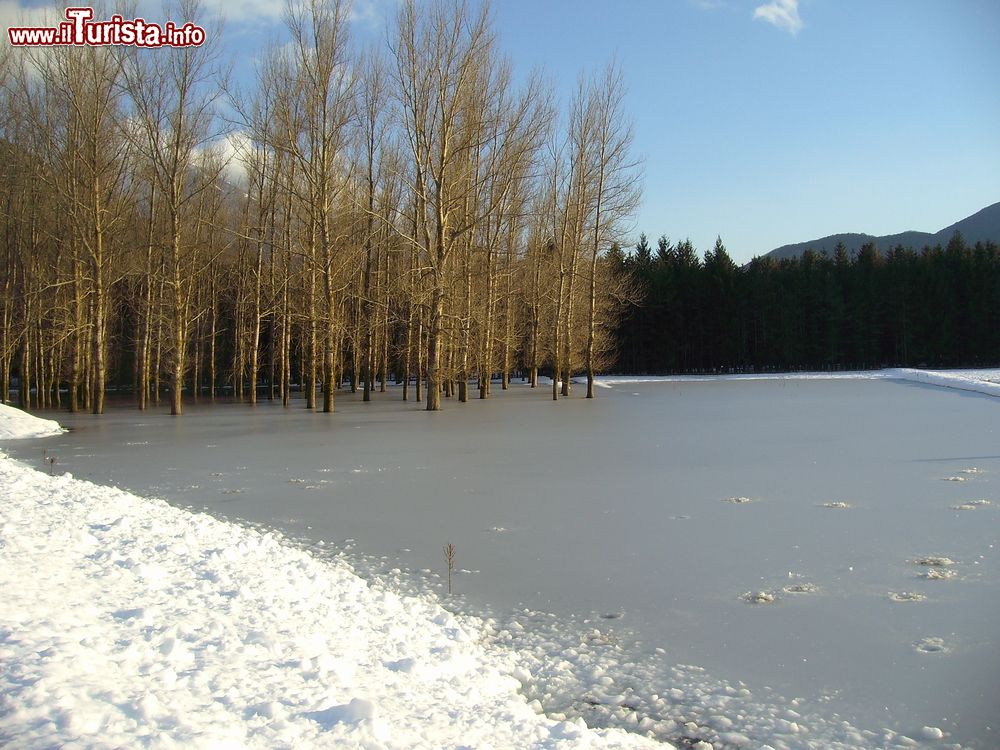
[(937, 307)]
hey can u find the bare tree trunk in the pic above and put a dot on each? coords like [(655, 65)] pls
[(178, 322), (434, 350)]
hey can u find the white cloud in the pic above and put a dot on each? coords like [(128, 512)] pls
[(232, 149), (248, 11), (781, 13), (12, 13), (708, 4)]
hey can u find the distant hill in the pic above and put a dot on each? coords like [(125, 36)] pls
[(981, 226)]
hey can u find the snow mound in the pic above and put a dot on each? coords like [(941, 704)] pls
[(127, 622), (16, 425)]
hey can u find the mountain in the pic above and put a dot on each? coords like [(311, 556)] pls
[(981, 226)]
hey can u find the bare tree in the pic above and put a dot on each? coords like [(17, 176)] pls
[(439, 53), (323, 80), (174, 107), (617, 189)]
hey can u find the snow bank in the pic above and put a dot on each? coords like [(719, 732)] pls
[(609, 381), (986, 381), (16, 424), (125, 622), (975, 381)]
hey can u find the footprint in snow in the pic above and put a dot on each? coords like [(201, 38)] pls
[(612, 615)]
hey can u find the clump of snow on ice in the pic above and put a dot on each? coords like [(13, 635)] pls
[(973, 470), (18, 425), (931, 645), (935, 561), (801, 588), (905, 596), (739, 500), (971, 505), (938, 574), (837, 504), (931, 733), (759, 597), (955, 479)]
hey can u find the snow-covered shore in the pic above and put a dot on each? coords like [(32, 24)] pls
[(984, 381), (16, 424), (127, 622)]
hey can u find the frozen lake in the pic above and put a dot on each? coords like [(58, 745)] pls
[(629, 514)]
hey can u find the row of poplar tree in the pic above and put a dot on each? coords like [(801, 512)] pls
[(935, 306), (407, 211)]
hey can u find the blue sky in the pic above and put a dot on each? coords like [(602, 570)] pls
[(763, 121)]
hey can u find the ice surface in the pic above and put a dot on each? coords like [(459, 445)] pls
[(612, 507)]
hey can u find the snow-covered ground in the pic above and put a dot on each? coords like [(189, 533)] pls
[(16, 424), (975, 381), (127, 622), (985, 381)]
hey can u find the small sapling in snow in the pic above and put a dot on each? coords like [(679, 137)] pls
[(449, 559)]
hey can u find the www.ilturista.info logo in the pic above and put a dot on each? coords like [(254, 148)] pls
[(79, 30)]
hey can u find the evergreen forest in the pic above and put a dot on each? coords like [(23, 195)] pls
[(933, 307)]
